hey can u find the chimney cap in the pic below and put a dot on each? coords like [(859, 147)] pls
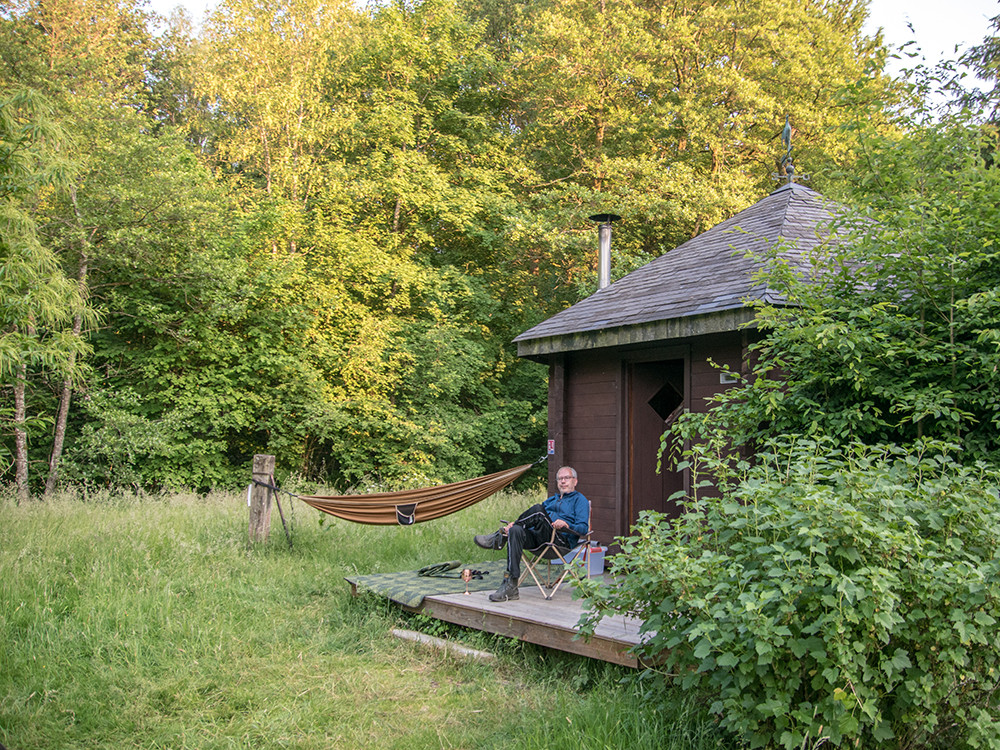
[(604, 218)]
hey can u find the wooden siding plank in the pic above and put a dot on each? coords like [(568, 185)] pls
[(580, 424), (593, 443), (594, 388)]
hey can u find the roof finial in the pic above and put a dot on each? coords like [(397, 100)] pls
[(786, 170)]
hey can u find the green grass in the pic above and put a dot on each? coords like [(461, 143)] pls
[(150, 623)]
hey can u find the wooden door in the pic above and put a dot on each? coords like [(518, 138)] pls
[(656, 396)]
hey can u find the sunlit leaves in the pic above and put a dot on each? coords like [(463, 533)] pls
[(36, 298), (669, 115)]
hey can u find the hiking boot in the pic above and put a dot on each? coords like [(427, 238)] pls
[(507, 591), (496, 540)]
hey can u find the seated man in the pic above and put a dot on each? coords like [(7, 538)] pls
[(568, 512)]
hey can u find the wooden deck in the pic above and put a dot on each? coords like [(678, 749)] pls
[(551, 623)]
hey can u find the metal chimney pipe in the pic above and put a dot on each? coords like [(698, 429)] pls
[(604, 247)]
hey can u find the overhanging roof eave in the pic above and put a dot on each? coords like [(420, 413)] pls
[(653, 332)]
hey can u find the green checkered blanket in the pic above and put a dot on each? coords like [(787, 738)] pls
[(410, 587)]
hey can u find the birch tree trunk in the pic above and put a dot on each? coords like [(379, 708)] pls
[(62, 416), (20, 437)]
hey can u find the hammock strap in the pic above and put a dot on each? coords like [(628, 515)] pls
[(274, 486)]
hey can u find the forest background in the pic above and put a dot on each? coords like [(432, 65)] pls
[(312, 230)]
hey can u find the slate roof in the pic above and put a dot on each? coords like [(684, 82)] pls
[(708, 274)]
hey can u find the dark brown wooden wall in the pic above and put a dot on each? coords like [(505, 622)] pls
[(589, 441)]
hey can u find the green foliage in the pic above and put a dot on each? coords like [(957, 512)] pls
[(400, 326), (143, 227), (117, 445), (668, 114), (840, 594), (96, 49), (35, 296), (37, 301)]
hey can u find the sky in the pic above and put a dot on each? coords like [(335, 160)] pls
[(938, 25)]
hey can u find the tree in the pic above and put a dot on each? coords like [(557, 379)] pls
[(89, 55), (383, 232), (182, 363), (669, 114), (36, 299), (275, 125), (173, 98), (81, 48)]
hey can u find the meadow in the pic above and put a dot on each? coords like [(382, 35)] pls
[(149, 622)]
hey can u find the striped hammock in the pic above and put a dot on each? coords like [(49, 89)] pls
[(407, 507)]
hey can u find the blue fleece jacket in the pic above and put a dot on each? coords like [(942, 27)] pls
[(574, 509)]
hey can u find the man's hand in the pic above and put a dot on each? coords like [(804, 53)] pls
[(559, 524)]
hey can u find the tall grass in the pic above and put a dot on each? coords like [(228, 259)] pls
[(150, 623)]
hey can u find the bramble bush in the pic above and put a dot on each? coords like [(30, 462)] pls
[(828, 595)]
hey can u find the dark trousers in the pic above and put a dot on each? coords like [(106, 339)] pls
[(531, 529)]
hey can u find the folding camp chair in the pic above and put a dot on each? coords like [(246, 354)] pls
[(552, 554)]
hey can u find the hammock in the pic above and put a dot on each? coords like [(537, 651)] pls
[(407, 507)]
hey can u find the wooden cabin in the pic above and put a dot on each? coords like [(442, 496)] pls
[(624, 362)]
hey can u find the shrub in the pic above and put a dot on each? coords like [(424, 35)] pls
[(828, 596)]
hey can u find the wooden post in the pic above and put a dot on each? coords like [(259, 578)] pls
[(260, 498)]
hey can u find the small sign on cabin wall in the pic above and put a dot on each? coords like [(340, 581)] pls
[(552, 447)]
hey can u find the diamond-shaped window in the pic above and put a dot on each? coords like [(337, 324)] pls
[(666, 400)]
